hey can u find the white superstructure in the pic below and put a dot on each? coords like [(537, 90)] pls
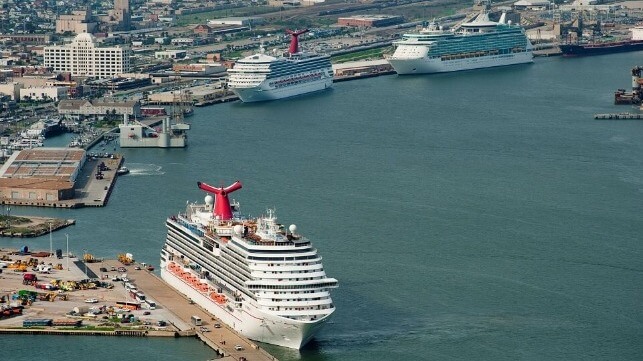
[(263, 280), (262, 77), (481, 43)]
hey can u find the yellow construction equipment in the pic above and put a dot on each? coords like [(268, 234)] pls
[(125, 259)]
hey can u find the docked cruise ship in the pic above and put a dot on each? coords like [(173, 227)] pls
[(262, 77), (263, 280), (481, 43)]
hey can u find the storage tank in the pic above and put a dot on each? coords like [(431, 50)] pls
[(81, 310)]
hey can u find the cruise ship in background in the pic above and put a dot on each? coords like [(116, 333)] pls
[(481, 43), (262, 77), (261, 279)]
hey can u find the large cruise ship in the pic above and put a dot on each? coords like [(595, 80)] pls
[(481, 43), (261, 279), (262, 77)]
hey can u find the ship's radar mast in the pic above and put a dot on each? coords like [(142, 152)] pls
[(294, 40), (222, 209)]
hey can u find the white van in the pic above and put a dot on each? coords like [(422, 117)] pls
[(196, 320)]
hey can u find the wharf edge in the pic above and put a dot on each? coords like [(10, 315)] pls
[(179, 310), (222, 340)]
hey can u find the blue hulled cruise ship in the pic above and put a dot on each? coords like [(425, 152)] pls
[(481, 43)]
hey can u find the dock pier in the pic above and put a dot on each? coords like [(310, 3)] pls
[(617, 116), (222, 340)]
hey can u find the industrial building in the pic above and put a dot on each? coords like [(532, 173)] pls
[(78, 22), (44, 93), (82, 107), (43, 174), (370, 21), (243, 21), (170, 54)]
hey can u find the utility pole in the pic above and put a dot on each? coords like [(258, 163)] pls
[(67, 236), (51, 243)]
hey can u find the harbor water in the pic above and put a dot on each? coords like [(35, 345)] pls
[(479, 215)]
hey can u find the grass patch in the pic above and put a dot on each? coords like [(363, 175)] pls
[(14, 219), (23, 225), (369, 54)]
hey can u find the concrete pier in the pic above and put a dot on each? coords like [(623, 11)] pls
[(618, 116), (89, 191), (223, 340)]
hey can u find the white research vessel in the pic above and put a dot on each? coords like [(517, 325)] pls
[(481, 43), (263, 77), (264, 281)]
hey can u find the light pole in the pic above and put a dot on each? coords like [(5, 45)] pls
[(85, 260), (51, 243), (67, 236)]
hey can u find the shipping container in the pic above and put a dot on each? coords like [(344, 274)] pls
[(37, 322)]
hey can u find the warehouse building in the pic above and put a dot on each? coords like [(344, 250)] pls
[(370, 21), (43, 174)]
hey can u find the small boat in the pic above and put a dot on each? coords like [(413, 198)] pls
[(122, 171)]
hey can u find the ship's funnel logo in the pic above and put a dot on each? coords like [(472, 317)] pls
[(294, 40), (222, 207)]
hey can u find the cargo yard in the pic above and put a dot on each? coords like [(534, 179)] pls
[(88, 296)]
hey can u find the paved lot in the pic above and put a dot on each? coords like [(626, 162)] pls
[(179, 311)]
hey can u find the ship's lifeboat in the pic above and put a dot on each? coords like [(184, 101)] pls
[(203, 287), (218, 298)]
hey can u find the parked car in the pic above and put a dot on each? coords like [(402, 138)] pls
[(238, 347)]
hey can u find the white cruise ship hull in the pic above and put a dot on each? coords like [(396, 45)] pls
[(249, 321), (264, 91), (428, 66)]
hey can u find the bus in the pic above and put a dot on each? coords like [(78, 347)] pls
[(196, 320), (149, 304), (140, 296), (130, 305)]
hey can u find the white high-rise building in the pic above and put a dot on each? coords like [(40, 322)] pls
[(83, 58)]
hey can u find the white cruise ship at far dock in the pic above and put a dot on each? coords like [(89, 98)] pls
[(262, 77), (481, 43), (265, 281)]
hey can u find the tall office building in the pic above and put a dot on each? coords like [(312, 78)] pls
[(122, 14), (83, 58)]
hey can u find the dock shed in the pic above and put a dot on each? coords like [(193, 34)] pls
[(46, 174)]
